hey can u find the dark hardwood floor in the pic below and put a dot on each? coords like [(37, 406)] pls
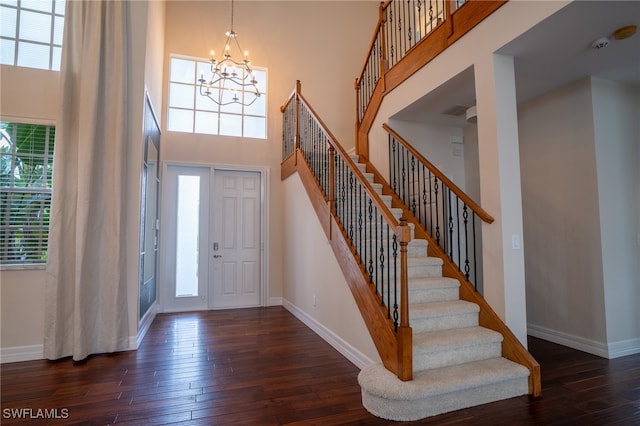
[(264, 367)]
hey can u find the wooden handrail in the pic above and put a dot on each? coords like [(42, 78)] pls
[(482, 214)]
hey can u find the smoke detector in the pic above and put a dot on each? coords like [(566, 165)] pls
[(600, 43)]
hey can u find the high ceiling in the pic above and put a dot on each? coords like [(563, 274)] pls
[(552, 54)]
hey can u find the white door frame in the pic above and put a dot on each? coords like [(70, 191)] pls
[(164, 276)]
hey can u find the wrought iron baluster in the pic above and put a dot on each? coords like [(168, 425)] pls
[(371, 252), (465, 217), (435, 189), (395, 282), (413, 185)]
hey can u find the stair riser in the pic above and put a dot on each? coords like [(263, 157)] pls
[(424, 271), (416, 409), (453, 356), (433, 295), (420, 325)]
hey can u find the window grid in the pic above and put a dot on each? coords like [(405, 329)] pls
[(14, 46), (194, 110), (26, 167)]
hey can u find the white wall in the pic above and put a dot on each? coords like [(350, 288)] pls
[(320, 43), (562, 242), (22, 291), (616, 115), (313, 274)]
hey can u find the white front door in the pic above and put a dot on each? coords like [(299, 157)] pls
[(236, 243), (212, 232)]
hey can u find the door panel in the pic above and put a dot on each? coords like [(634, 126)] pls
[(236, 234)]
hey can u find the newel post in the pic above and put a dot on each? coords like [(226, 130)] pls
[(405, 335)]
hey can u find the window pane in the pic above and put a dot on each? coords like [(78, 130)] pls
[(188, 219), (255, 127), (55, 60), (228, 96), (183, 71), (258, 107), (59, 7), (180, 96), (261, 78), (7, 52), (58, 29), (206, 104), (180, 120), (35, 26), (42, 5), (33, 55), (8, 22), (206, 123), (230, 125)]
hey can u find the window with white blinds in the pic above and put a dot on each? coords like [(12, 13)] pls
[(26, 167)]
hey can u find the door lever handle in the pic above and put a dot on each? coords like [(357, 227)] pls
[(215, 256)]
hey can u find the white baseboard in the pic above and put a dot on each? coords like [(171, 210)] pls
[(275, 301), (144, 325), (21, 353), (359, 359), (624, 348), (605, 350)]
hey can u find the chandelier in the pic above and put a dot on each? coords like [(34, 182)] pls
[(231, 81)]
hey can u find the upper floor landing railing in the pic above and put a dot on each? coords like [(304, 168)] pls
[(408, 35)]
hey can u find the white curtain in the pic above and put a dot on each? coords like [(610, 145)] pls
[(86, 308)]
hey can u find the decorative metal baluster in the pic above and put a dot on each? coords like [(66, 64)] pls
[(475, 267), (465, 216), (360, 195), (377, 240), (395, 282), (458, 233), (450, 224), (435, 189), (350, 207), (371, 251), (403, 178), (381, 258), (413, 185)]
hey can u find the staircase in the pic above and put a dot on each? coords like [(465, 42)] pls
[(456, 363)]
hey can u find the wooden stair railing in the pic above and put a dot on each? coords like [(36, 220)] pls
[(350, 210), (413, 178), (409, 35)]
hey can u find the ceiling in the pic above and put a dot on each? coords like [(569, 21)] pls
[(550, 55)]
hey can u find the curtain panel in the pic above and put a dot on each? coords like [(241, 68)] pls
[(86, 308)]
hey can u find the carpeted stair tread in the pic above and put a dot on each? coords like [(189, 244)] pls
[(443, 340), (377, 380)]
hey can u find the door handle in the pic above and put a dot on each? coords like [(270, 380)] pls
[(215, 256)]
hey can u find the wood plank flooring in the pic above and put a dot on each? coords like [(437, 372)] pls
[(264, 367)]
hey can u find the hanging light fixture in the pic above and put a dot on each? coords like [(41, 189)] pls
[(231, 81)]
